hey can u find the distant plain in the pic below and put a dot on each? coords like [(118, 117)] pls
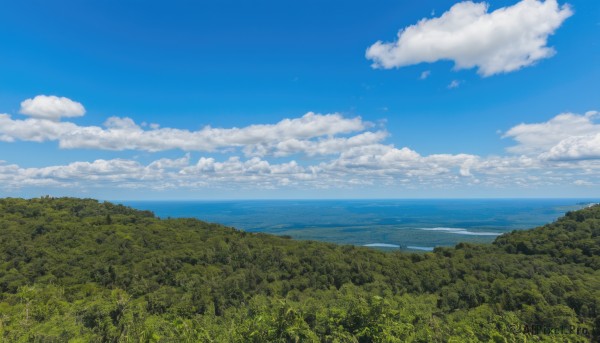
[(407, 224)]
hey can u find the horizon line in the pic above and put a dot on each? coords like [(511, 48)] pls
[(352, 199)]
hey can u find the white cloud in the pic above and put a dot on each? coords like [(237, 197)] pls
[(376, 164), (160, 174), (387, 160), (575, 148), (165, 163), (313, 132), (32, 129), (454, 84), (564, 150), (502, 41), (425, 74), (324, 146), (51, 107), (566, 136), (582, 183)]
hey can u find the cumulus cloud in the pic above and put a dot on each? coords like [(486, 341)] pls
[(567, 136), (51, 107), (375, 164), (323, 146), (388, 160), (312, 134), (333, 152), (575, 148), (161, 174), (502, 41)]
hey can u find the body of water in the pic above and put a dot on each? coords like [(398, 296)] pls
[(418, 225)]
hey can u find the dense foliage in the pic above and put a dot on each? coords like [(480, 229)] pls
[(82, 271)]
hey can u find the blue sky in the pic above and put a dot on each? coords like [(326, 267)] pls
[(141, 100)]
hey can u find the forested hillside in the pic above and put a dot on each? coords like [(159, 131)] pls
[(82, 271)]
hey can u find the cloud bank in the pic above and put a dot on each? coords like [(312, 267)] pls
[(318, 151), (312, 134), (378, 165), (502, 41)]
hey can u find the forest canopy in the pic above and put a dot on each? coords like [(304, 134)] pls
[(79, 270)]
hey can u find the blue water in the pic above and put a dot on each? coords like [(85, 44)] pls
[(418, 225)]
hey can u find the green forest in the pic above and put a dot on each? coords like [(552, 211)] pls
[(79, 270)]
